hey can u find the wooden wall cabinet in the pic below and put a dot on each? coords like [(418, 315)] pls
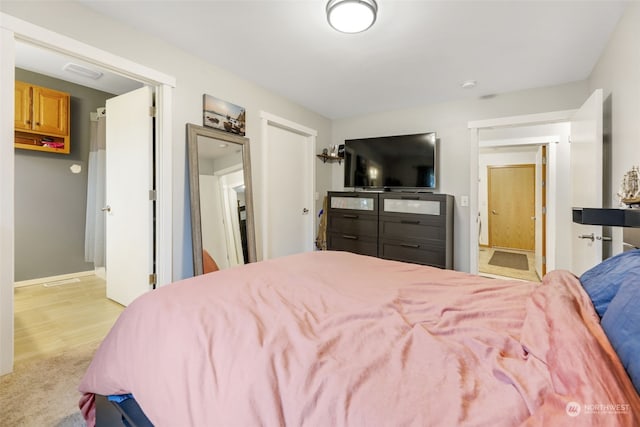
[(41, 119)]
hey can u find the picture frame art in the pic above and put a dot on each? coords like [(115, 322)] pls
[(223, 115)]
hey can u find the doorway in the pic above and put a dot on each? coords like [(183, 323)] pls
[(12, 31), (510, 215), (288, 187), (53, 245), (564, 242)]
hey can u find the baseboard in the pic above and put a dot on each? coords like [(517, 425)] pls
[(42, 280)]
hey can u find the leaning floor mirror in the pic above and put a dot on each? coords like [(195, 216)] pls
[(222, 223)]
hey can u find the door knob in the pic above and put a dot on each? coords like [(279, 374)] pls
[(493, 211), (106, 209), (305, 211), (587, 236)]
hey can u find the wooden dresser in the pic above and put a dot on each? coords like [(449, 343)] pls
[(410, 227)]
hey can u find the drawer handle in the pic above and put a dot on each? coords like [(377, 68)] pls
[(407, 245), (351, 216), (406, 221), (346, 236), (410, 198)]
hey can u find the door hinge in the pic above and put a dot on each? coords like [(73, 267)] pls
[(152, 111), (153, 195), (544, 259), (544, 160), (544, 210), (152, 279)]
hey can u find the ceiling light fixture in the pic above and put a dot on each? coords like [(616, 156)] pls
[(351, 16), (81, 70)]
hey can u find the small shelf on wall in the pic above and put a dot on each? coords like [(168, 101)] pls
[(37, 142), (329, 158), (608, 217)]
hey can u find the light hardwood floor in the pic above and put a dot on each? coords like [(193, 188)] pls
[(485, 254), (50, 320)]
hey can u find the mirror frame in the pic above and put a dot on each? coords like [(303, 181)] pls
[(193, 132)]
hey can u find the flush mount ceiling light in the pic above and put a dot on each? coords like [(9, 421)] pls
[(351, 16), (81, 70)]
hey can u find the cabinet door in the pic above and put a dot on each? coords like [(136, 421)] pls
[(22, 106), (50, 111)]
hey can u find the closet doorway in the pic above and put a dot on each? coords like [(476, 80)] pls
[(288, 180)]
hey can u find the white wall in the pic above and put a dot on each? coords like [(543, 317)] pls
[(617, 73), (450, 121), (194, 78)]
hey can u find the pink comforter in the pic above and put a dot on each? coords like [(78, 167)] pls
[(333, 339)]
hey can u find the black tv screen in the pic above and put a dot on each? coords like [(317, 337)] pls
[(391, 162)]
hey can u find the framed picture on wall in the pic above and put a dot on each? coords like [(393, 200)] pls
[(223, 115)]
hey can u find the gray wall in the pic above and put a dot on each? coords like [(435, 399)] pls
[(50, 201)]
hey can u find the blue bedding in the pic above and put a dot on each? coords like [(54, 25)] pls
[(614, 289)]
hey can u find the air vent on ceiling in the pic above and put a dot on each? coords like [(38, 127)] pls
[(82, 71)]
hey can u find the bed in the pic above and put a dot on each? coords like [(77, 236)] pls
[(337, 339)]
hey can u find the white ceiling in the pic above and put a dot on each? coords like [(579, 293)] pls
[(50, 63), (418, 52)]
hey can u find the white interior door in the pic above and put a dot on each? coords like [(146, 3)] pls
[(586, 180), (129, 220), (289, 193)]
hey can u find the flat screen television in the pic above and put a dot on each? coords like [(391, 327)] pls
[(391, 162)]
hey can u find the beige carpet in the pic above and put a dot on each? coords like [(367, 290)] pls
[(44, 392)]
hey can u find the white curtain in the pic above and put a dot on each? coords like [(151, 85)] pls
[(94, 241)]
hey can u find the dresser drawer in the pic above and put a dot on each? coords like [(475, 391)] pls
[(353, 224), (418, 253), (363, 245), (354, 203), (412, 228)]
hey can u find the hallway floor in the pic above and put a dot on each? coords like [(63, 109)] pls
[(486, 269)]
